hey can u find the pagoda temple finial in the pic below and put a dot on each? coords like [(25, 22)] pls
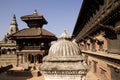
[(35, 12), (34, 20)]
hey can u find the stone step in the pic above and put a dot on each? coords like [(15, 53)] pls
[(8, 59), (8, 56), (6, 62)]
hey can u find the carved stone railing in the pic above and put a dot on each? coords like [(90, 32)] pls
[(65, 72)]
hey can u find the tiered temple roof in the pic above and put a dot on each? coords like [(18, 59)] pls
[(35, 23)]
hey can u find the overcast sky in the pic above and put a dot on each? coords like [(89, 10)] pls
[(60, 14)]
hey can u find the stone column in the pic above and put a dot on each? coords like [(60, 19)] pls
[(34, 59), (30, 56), (25, 58), (21, 58), (17, 59)]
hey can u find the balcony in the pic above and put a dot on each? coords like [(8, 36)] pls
[(32, 47)]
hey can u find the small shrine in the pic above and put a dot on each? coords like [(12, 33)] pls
[(64, 61)]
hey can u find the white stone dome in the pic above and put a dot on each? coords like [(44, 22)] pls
[(64, 47)]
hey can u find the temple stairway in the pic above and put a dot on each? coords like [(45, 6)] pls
[(8, 59)]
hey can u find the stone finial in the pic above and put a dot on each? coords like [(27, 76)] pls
[(64, 35)]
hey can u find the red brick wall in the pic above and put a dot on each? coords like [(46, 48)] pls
[(101, 64)]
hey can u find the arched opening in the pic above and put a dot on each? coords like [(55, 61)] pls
[(39, 58), (8, 51), (14, 51), (35, 58), (4, 51)]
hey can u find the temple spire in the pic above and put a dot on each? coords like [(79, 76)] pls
[(13, 26), (14, 20)]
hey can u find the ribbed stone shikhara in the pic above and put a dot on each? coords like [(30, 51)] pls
[(64, 61)]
